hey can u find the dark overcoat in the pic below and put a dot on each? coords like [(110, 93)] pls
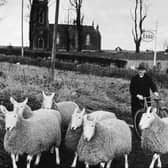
[(141, 86)]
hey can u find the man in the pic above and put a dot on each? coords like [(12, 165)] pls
[(140, 87)]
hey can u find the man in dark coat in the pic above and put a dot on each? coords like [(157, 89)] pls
[(140, 87)]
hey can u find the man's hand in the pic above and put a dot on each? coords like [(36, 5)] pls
[(140, 97), (156, 94)]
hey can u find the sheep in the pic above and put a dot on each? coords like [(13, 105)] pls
[(74, 130), (27, 113), (66, 108), (154, 134), (31, 135), (104, 140)]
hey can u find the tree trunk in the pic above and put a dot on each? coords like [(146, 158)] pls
[(137, 47)]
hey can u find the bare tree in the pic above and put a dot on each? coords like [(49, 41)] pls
[(139, 15), (77, 5)]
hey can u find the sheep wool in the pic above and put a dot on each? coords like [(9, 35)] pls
[(154, 138), (27, 113), (66, 109), (35, 134), (101, 115), (112, 138)]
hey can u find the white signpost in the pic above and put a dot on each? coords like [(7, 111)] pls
[(149, 36)]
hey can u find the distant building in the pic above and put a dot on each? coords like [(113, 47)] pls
[(118, 49), (41, 32)]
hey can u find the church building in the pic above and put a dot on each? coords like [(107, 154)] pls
[(41, 32)]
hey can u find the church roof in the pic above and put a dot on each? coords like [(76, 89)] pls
[(63, 27)]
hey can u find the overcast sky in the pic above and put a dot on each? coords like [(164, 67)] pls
[(112, 16)]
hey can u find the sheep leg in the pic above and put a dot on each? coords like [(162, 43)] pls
[(109, 164), (159, 165), (102, 164), (52, 149), (29, 159), (57, 156), (126, 160), (17, 157), (37, 161), (13, 161), (155, 157), (86, 165), (74, 160)]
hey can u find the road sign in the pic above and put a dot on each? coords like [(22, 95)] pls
[(148, 36)]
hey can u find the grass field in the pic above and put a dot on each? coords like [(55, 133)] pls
[(91, 92)]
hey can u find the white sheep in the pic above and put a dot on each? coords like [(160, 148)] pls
[(27, 113), (66, 108), (74, 130), (104, 140), (31, 135), (154, 134)]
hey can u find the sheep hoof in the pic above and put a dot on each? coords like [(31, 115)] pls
[(52, 150), (73, 165), (102, 165), (58, 162)]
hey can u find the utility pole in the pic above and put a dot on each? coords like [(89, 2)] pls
[(155, 45), (54, 47), (22, 47)]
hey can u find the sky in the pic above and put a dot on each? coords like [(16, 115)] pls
[(112, 16)]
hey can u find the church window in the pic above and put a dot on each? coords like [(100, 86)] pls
[(40, 43), (88, 39)]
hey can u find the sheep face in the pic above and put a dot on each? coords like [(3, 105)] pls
[(88, 128), (10, 118), (146, 119), (47, 100), (77, 119)]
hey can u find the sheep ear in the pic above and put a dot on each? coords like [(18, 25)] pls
[(3, 109), (52, 95), (83, 111), (13, 101), (44, 95), (154, 110), (148, 109), (25, 101)]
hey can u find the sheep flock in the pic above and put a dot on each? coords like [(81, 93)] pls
[(94, 138)]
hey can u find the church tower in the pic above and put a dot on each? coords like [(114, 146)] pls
[(39, 25)]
